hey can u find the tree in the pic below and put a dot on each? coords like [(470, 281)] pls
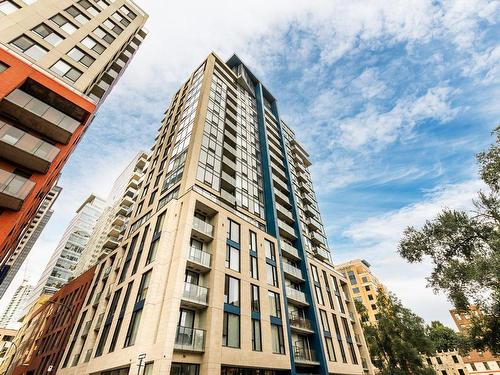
[(398, 339), (464, 248), (443, 338)]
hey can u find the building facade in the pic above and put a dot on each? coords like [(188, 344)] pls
[(6, 337), (478, 362), (61, 266), (110, 227), (58, 61), (13, 311), (364, 285), (447, 363), (28, 240), (224, 268)]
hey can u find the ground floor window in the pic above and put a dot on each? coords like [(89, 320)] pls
[(184, 369), (250, 371), (121, 371)]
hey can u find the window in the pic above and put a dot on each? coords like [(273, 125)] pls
[(232, 258), (255, 297), (486, 365), (355, 290), (233, 231), (374, 306), (274, 304), (48, 34), (330, 349), (253, 242), (473, 366), (8, 7), (78, 55), (277, 340), (184, 369), (153, 249), (148, 369), (324, 321), (364, 279), (272, 275), (455, 359), (29, 47), (104, 35), (314, 271), (256, 336), (232, 291), (88, 7), (429, 361), (90, 43), (370, 297), (128, 12), (133, 328), (339, 338), (120, 317), (140, 250), (3, 66), (77, 14), (118, 18), (102, 3), (143, 287), (461, 372), (254, 267), (113, 26), (367, 288), (352, 277), (231, 330), (269, 248), (443, 372), (319, 295), (64, 69)]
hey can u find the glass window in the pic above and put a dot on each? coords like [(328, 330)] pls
[(48, 34), (29, 47), (3, 66), (231, 330), (133, 328), (324, 321), (330, 349), (88, 7), (104, 35), (64, 24), (269, 248), (253, 241), (78, 55), (254, 267), (274, 304), (272, 275), (113, 26), (64, 69), (232, 258), (355, 290), (184, 369), (8, 7), (352, 277), (277, 340), (339, 338), (315, 273), (143, 287), (118, 18), (234, 231), (148, 369), (153, 249), (256, 336), (255, 297), (128, 12), (77, 14), (319, 295), (90, 43), (232, 291)]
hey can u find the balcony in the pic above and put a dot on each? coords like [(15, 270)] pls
[(283, 213), (228, 182), (228, 165), (282, 198), (289, 251), (300, 324), (198, 260), (317, 239), (292, 272), (286, 230), (114, 231), (305, 356), (189, 339), (229, 151), (279, 183), (97, 298), (25, 149), (111, 243), (37, 115), (99, 322), (321, 253), (228, 197), (127, 201), (202, 229), (296, 296), (119, 220), (13, 190), (194, 296), (86, 328), (313, 224)]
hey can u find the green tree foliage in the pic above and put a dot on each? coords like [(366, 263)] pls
[(464, 248), (443, 338), (398, 339)]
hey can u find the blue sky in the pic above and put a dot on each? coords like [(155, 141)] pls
[(392, 99)]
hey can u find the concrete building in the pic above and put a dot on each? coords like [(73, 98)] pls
[(28, 240), (363, 283), (224, 268), (110, 227), (58, 61), (13, 311), (6, 337), (477, 362), (61, 266), (447, 363)]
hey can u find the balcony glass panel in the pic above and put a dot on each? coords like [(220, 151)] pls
[(188, 338), (14, 185), (195, 293), (199, 256)]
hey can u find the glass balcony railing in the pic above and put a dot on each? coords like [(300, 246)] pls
[(195, 293), (296, 295), (13, 189), (322, 253), (286, 247), (292, 270), (190, 339), (199, 256), (203, 227), (304, 355), (300, 322)]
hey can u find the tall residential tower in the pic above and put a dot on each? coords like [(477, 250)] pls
[(58, 61), (13, 311), (224, 268)]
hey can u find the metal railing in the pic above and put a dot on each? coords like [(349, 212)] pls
[(188, 338)]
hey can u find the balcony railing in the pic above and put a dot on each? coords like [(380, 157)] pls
[(296, 295), (190, 339), (199, 256), (322, 253), (25, 149), (304, 355), (299, 322), (287, 248), (195, 293), (292, 271), (203, 227), (13, 190), (39, 116), (286, 229)]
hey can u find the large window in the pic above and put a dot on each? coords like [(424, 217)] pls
[(48, 34), (319, 295), (277, 340), (330, 349), (339, 338), (64, 69), (8, 7), (270, 251), (272, 275), (78, 55), (324, 320), (77, 14), (29, 47), (233, 231), (256, 336), (64, 24), (184, 369), (91, 43), (232, 291), (254, 267), (143, 287), (133, 328), (233, 258), (253, 241), (255, 297), (352, 278), (104, 35), (231, 330), (274, 304), (315, 275)]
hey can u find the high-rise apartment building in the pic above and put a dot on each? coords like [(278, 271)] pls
[(364, 285), (58, 61), (28, 239), (13, 311), (224, 268), (110, 227), (62, 263), (447, 363)]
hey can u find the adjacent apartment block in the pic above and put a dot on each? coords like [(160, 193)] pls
[(13, 311), (224, 267), (58, 61), (447, 363), (477, 362), (364, 285)]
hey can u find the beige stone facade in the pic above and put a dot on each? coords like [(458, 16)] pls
[(224, 268), (447, 363)]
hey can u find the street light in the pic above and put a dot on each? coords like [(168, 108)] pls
[(69, 308)]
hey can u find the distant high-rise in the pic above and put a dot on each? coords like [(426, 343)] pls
[(28, 239), (13, 312), (58, 61), (224, 267), (62, 263)]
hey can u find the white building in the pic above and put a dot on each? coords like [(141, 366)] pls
[(13, 312)]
